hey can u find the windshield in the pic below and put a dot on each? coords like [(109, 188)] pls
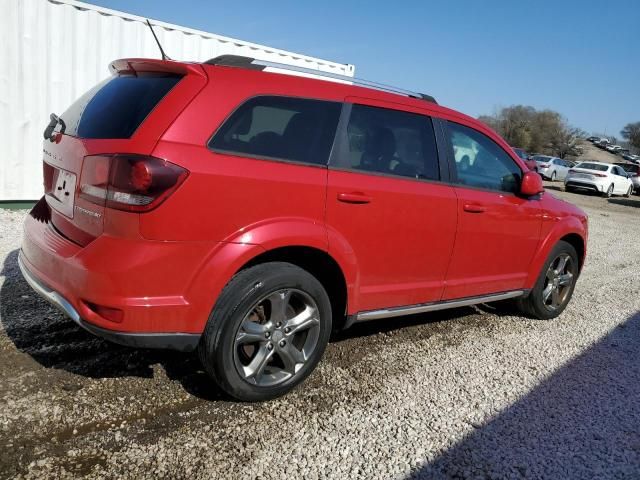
[(593, 166)]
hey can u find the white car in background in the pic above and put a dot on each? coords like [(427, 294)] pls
[(599, 177), (552, 168)]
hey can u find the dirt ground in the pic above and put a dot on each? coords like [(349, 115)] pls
[(468, 393)]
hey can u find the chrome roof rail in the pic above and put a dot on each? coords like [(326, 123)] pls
[(256, 64)]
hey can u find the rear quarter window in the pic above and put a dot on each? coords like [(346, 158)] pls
[(116, 107)]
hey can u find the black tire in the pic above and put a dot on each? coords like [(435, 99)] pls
[(629, 192), (219, 351), (553, 177), (534, 305), (609, 192)]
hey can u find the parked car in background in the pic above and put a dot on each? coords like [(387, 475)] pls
[(613, 148), (247, 214), (526, 158), (593, 139), (552, 168), (633, 170), (631, 157), (599, 177)]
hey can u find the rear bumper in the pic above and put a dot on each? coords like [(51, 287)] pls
[(584, 185), (185, 342), (155, 285)]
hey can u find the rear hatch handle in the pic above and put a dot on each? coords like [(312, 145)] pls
[(55, 121)]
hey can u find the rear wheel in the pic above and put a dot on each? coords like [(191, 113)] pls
[(609, 191), (267, 332), (553, 177), (554, 287)]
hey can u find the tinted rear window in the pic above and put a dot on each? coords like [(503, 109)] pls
[(286, 128), (593, 166), (116, 107), (627, 167)]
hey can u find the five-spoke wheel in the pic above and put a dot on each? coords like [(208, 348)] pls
[(276, 337), (267, 331)]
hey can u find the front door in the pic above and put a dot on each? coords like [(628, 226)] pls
[(498, 231), (386, 203)]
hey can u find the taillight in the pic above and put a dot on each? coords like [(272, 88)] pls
[(544, 165), (132, 183), (600, 174), (571, 170)]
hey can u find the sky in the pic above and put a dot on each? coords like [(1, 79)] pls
[(580, 58)]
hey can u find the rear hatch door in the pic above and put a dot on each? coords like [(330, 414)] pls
[(126, 113)]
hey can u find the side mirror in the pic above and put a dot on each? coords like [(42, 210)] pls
[(531, 184)]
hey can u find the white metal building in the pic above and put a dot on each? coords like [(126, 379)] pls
[(52, 51)]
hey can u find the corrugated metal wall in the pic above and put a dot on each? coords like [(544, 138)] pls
[(53, 51)]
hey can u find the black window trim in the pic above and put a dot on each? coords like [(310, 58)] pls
[(340, 146), (452, 168), (233, 153)]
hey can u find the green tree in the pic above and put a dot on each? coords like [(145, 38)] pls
[(631, 132)]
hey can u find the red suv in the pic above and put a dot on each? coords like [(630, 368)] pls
[(245, 214)]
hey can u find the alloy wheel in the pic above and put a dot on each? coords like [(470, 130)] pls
[(276, 337), (610, 191), (558, 282)]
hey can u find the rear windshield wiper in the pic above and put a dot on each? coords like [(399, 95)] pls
[(55, 121)]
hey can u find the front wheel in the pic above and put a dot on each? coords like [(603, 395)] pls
[(554, 287), (267, 332), (629, 192)]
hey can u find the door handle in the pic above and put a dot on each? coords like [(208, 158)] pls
[(474, 208), (354, 197)]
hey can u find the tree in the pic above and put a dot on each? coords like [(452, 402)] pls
[(543, 131), (631, 132)]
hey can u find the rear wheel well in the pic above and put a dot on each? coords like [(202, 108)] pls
[(576, 242), (319, 264)]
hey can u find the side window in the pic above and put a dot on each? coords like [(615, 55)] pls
[(296, 129), (480, 162), (390, 141)]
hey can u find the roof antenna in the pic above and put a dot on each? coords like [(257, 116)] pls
[(164, 55)]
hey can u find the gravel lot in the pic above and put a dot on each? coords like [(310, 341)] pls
[(469, 393)]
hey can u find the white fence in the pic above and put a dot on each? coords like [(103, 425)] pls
[(52, 51)]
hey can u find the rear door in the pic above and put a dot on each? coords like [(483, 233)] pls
[(498, 231), (387, 201), (125, 113)]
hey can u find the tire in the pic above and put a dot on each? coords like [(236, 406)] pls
[(541, 305), (255, 353), (553, 177), (609, 192), (629, 192)]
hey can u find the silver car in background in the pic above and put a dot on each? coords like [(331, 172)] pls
[(552, 168)]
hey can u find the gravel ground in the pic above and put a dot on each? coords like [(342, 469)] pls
[(468, 393)]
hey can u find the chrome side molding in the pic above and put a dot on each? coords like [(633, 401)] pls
[(434, 306)]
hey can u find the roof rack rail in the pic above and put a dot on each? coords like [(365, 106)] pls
[(256, 64)]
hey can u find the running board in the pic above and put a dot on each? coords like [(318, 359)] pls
[(434, 306)]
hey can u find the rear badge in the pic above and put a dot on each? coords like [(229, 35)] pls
[(88, 212)]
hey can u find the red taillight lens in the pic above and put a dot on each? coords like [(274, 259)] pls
[(600, 174), (544, 165), (133, 183)]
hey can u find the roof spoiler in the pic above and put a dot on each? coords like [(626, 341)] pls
[(250, 63), (133, 66)]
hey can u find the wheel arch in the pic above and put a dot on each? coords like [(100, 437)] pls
[(319, 264), (570, 231)]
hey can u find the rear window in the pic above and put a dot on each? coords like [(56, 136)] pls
[(116, 107), (284, 128), (627, 167), (593, 166)]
